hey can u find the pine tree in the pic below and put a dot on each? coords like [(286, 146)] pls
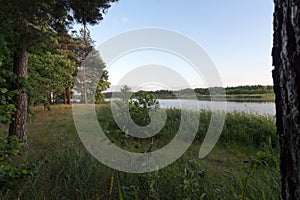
[(27, 25)]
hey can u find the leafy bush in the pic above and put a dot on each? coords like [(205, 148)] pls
[(6, 107), (141, 106), (11, 174)]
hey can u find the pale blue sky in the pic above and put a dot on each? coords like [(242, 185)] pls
[(236, 34)]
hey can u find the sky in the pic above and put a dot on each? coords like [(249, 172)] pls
[(235, 34)]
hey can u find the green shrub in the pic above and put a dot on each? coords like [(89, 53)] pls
[(6, 106), (11, 174)]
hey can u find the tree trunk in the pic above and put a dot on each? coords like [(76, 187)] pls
[(18, 126), (56, 99), (286, 77), (69, 95), (83, 65), (50, 98), (65, 96), (84, 86)]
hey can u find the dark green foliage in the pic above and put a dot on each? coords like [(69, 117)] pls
[(256, 89), (48, 74), (27, 24), (165, 93), (11, 174), (140, 106), (89, 12), (36, 27), (41, 28), (7, 108), (240, 93)]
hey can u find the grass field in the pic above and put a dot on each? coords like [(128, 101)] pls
[(243, 165)]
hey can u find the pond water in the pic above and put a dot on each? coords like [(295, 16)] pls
[(264, 108)]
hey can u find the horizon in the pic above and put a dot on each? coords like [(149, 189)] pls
[(133, 89)]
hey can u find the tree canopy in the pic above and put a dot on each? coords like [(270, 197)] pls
[(38, 56)]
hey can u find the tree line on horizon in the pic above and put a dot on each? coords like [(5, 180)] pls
[(247, 90)]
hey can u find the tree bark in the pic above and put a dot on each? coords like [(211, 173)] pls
[(18, 126), (65, 96), (69, 95), (286, 77), (84, 86), (83, 65), (56, 99), (50, 98)]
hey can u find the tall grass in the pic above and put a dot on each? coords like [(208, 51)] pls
[(240, 129), (244, 165), (76, 175)]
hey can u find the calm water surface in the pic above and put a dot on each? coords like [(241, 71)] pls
[(265, 108)]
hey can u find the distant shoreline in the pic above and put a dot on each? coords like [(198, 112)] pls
[(256, 93), (234, 98)]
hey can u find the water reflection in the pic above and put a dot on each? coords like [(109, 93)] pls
[(264, 108)]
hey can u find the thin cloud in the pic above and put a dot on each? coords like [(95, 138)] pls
[(124, 20)]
